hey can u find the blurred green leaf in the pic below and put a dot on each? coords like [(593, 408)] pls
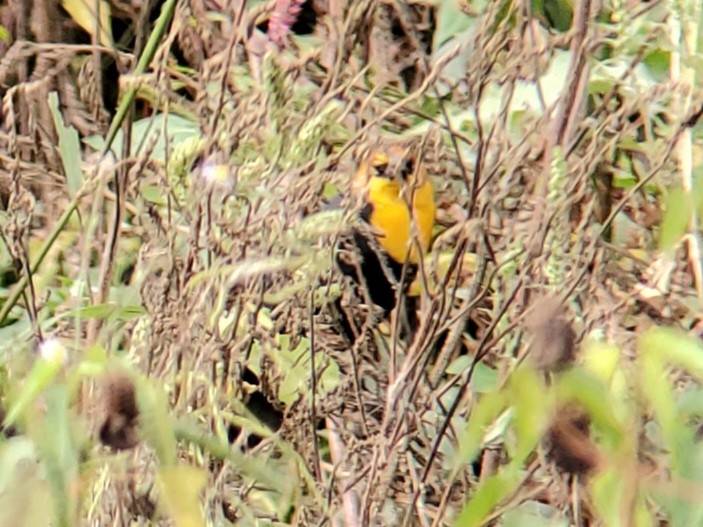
[(487, 496), (600, 86), (697, 191), (658, 62), (537, 7), (153, 194), (151, 130), (180, 491), (25, 497), (93, 363), (295, 366), (69, 147), (559, 13), (690, 402), (484, 378), (532, 411), (454, 28), (14, 452), (41, 375), (661, 348), (676, 217), (157, 425), (451, 22), (607, 488), (330, 190), (53, 436), (534, 514), (105, 311), (675, 347), (486, 412), (526, 96)]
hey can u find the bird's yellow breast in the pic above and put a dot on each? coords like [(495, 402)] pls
[(392, 219)]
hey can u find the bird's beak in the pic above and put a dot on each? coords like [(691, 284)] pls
[(379, 164), (401, 165)]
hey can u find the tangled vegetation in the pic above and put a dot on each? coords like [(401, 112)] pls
[(175, 177)]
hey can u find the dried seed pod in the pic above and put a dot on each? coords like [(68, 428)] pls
[(571, 447), (553, 338), (119, 430)]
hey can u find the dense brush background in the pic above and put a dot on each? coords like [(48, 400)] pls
[(173, 180)]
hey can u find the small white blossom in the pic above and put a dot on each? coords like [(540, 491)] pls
[(216, 174), (51, 350)]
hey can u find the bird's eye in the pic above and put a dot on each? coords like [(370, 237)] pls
[(380, 169), (408, 169)]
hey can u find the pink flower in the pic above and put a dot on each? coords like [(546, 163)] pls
[(282, 19)]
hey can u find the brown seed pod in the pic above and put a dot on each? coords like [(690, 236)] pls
[(553, 338), (571, 447), (119, 430)]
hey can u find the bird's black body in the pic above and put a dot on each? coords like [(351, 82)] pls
[(379, 281)]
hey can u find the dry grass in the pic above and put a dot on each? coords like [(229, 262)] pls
[(192, 262)]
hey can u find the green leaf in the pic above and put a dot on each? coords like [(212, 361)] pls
[(607, 488), (157, 425), (697, 190), (330, 190), (54, 439), (600, 86), (679, 207), (39, 378), (484, 378), (69, 147), (25, 497), (661, 348), (105, 311), (537, 7), (295, 366), (454, 27), (13, 452), (676, 348), (489, 494), (532, 411), (153, 194), (534, 514), (559, 13), (486, 412), (451, 22), (658, 62), (151, 129), (180, 491), (690, 402)]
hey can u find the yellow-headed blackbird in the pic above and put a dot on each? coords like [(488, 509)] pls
[(398, 209)]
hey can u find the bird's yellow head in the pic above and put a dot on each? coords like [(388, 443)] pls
[(387, 179), (397, 163)]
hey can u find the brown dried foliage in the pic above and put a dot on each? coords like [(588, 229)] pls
[(394, 420)]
